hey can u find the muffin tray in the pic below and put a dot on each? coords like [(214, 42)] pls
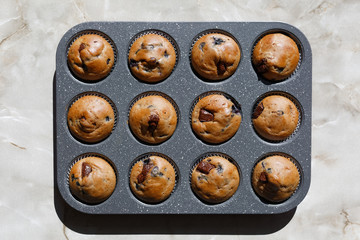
[(183, 86)]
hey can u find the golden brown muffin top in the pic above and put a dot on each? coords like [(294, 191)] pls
[(215, 56), (152, 179), (91, 118), (275, 178), (215, 179), (276, 56), (92, 179), (275, 118), (215, 119), (91, 57), (152, 58), (153, 119)]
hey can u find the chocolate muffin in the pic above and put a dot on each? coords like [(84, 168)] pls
[(153, 119), (215, 119), (152, 179), (152, 58), (91, 118), (91, 57), (92, 180), (215, 56), (275, 56), (215, 179), (275, 178), (275, 118)]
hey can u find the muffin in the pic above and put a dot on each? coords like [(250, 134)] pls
[(92, 180), (152, 58), (91, 118), (91, 57), (215, 56), (152, 179), (275, 56), (275, 118), (215, 119), (275, 178), (153, 119), (215, 179)]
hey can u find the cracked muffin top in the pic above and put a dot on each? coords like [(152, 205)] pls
[(215, 179), (92, 180), (91, 119), (91, 57), (153, 119), (152, 58), (215, 56), (215, 119), (275, 56), (152, 179)]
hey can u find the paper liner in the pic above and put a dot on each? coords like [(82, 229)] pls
[(90, 32), (97, 94), (148, 155), (292, 99), (205, 94), (297, 42), (292, 159), (207, 155), (163, 34), (200, 35), (83, 156), (154, 93)]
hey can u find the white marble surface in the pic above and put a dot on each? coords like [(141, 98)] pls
[(29, 34)]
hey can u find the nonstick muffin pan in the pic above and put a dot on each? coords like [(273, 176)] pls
[(183, 86)]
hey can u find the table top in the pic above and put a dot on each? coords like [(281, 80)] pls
[(29, 34)]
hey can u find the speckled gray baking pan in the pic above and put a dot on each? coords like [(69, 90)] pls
[(183, 86)]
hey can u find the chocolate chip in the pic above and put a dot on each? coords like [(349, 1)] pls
[(85, 169), (82, 46), (146, 168), (280, 112), (204, 167), (221, 68), (263, 177), (218, 41), (107, 118), (262, 67), (133, 63), (258, 110), (77, 183), (153, 122), (269, 170), (201, 46), (108, 61), (166, 54), (206, 116)]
